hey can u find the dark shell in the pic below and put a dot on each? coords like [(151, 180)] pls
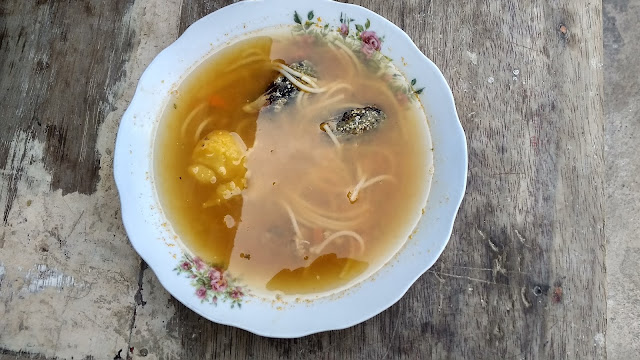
[(360, 120), (282, 90)]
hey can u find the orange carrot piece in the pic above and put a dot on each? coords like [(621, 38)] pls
[(216, 101)]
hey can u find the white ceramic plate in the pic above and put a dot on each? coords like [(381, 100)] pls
[(154, 240)]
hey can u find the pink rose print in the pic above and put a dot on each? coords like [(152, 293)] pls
[(344, 29), (219, 286), (211, 283), (237, 293), (200, 265), (201, 293), (402, 98), (215, 275), (370, 42)]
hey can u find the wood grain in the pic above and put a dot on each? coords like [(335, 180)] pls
[(57, 60), (523, 275)]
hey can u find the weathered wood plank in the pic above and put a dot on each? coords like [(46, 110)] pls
[(622, 190), (523, 276), (67, 271), (57, 60)]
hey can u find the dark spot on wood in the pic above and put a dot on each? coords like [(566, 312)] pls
[(143, 352), (20, 34), (138, 296), (41, 66), (563, 29), (556, 296), (539, 290), (63, 35), (88, 9), (565, 35), (3, 34), (118, 357)]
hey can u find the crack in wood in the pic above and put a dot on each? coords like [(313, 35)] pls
[(138, 301)]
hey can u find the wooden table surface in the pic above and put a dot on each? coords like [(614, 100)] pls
[(523, 276)]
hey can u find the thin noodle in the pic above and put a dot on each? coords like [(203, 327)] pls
[(346, 63), (308, 79), (353, 195), (201, 127), (375, 180), (305, 97), (341, 57), (347, 265), (192, 114), (250, 52), (318, 248), (353, 212), (338, 86), (300, 85), (298, 238), (328, 102), (313, 220), (373, 149), (327, 129), (248, 61), (350, 54), (299, 97), (255, 105), (350, 106), (325, 182)]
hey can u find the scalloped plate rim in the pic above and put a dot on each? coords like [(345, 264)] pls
[(188, 299)]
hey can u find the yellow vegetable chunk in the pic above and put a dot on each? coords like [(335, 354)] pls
[(219, 160), (203, 174)]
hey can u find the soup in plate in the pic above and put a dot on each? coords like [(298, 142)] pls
[(293, 162)]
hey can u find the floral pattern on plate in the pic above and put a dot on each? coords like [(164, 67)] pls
[(364, 43), (212, 283)]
